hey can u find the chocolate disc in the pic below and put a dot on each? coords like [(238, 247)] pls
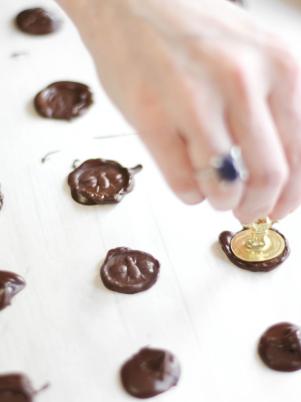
[(101, 181), (129, 271), (63, 100), (16, 388), (37, 21), (10, 285), (280, 347), (150, 372), (258, 266)]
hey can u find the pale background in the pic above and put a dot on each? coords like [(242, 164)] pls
[(66, 328)]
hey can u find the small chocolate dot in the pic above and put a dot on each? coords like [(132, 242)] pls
[(150, 372), (280, 347), (37, 21)]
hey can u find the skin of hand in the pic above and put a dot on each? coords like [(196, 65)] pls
[(195, 77)]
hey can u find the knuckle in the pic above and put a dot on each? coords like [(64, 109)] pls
[(288, 64), (240, 78), (294, 158), (239, 75), (270, 178), (284, 59), (292, 69)]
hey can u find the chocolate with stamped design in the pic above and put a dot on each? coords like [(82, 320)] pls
[(38, 21), (150, 372), (101, 181), (63, 100), (129, 271), (225, 239), (280, 347), (10, 285)]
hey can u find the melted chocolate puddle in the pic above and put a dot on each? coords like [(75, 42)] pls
[(280, 347), (17, 388), (150, 372)]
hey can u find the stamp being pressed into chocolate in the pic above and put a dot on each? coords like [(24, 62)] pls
[(150, 372), (258, 247)]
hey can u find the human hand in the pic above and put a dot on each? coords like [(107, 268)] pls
[(194, 78)]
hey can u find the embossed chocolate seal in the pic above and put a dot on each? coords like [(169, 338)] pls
[(101, 181), (280, 347), (225, 239), (63, 100), (10, 285), (37, 21), (129, 271), (150, 372)]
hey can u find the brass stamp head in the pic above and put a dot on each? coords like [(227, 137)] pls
[(258, 242)]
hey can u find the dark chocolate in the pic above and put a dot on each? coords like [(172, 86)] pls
[(260, 266), (46, 157), (16, 388), (280, 347), (129, 271), (63, 100), (75, 163), (16, 55), (150, 372), (101, 181), (10, 285), (240, 2), (37, 21), (1, 199)]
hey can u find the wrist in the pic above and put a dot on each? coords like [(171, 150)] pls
[(88, 13)]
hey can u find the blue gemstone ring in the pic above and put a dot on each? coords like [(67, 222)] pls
[(228, 168)]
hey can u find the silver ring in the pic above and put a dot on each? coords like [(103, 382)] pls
[(228, 168)]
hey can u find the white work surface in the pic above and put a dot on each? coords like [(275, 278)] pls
[(65, 327)]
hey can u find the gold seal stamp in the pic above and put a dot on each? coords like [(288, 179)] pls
[(258, 242)]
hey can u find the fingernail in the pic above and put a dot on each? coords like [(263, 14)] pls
[(191, 197)]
